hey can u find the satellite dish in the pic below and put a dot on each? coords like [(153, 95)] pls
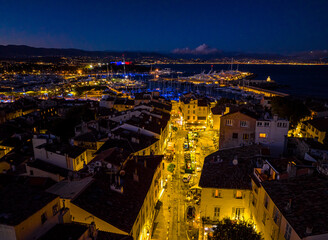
[(235, 162), (109, 166)]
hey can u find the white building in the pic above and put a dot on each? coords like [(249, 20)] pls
[(272, 133)]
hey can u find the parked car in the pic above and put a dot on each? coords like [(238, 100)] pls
[(191, 212)]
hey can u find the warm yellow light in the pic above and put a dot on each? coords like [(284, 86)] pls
[(263, 135)]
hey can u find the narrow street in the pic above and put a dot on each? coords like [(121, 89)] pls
[(172, 221)]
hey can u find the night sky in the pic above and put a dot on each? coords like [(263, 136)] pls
[(277, 26)]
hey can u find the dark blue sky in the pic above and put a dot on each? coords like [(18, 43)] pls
[(233, 25)]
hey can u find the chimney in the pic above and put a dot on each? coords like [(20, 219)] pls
[(291, 169), (275, 117), (289, 205), (227, 110), (135, 176), (309, 230)]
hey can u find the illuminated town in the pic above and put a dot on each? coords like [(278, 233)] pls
[(169, 142)]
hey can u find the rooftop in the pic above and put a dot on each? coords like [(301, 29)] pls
[(65, 232), (120, 209), (70, 189), (308, 195), (219, 171), (243, 111), (18, 202), (48, 167), (319, 123), (112, 236), (71, 151)]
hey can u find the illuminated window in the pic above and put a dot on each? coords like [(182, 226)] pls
[(238, 195), (263, 135), (217, 193), (245, 136)]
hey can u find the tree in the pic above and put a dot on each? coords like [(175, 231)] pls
[(292, 109), (228, 229)]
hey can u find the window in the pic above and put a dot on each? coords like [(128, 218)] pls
[(255, 188), (77, 160), (43, 218), (188, 111), (237, 213), (216, 212), (54, 209), (245, 136), (217, 193), (193, 112), (266, 201), (188, 117), (284, 125), (264, 218), (259, 124), (237, 194), (266, 124), (193, 117), (254, 201), (229, 122), (243, 123), (276, 215), (288, 231), (235, 135), (279, 124), (188, 106), (31, 172), (262, 135)]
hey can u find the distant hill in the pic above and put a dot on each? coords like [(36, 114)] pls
[(10, 51), (202, 52)]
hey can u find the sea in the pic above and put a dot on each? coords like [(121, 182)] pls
[(297, 80)]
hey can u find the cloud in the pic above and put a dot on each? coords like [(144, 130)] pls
[(200, 50)]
